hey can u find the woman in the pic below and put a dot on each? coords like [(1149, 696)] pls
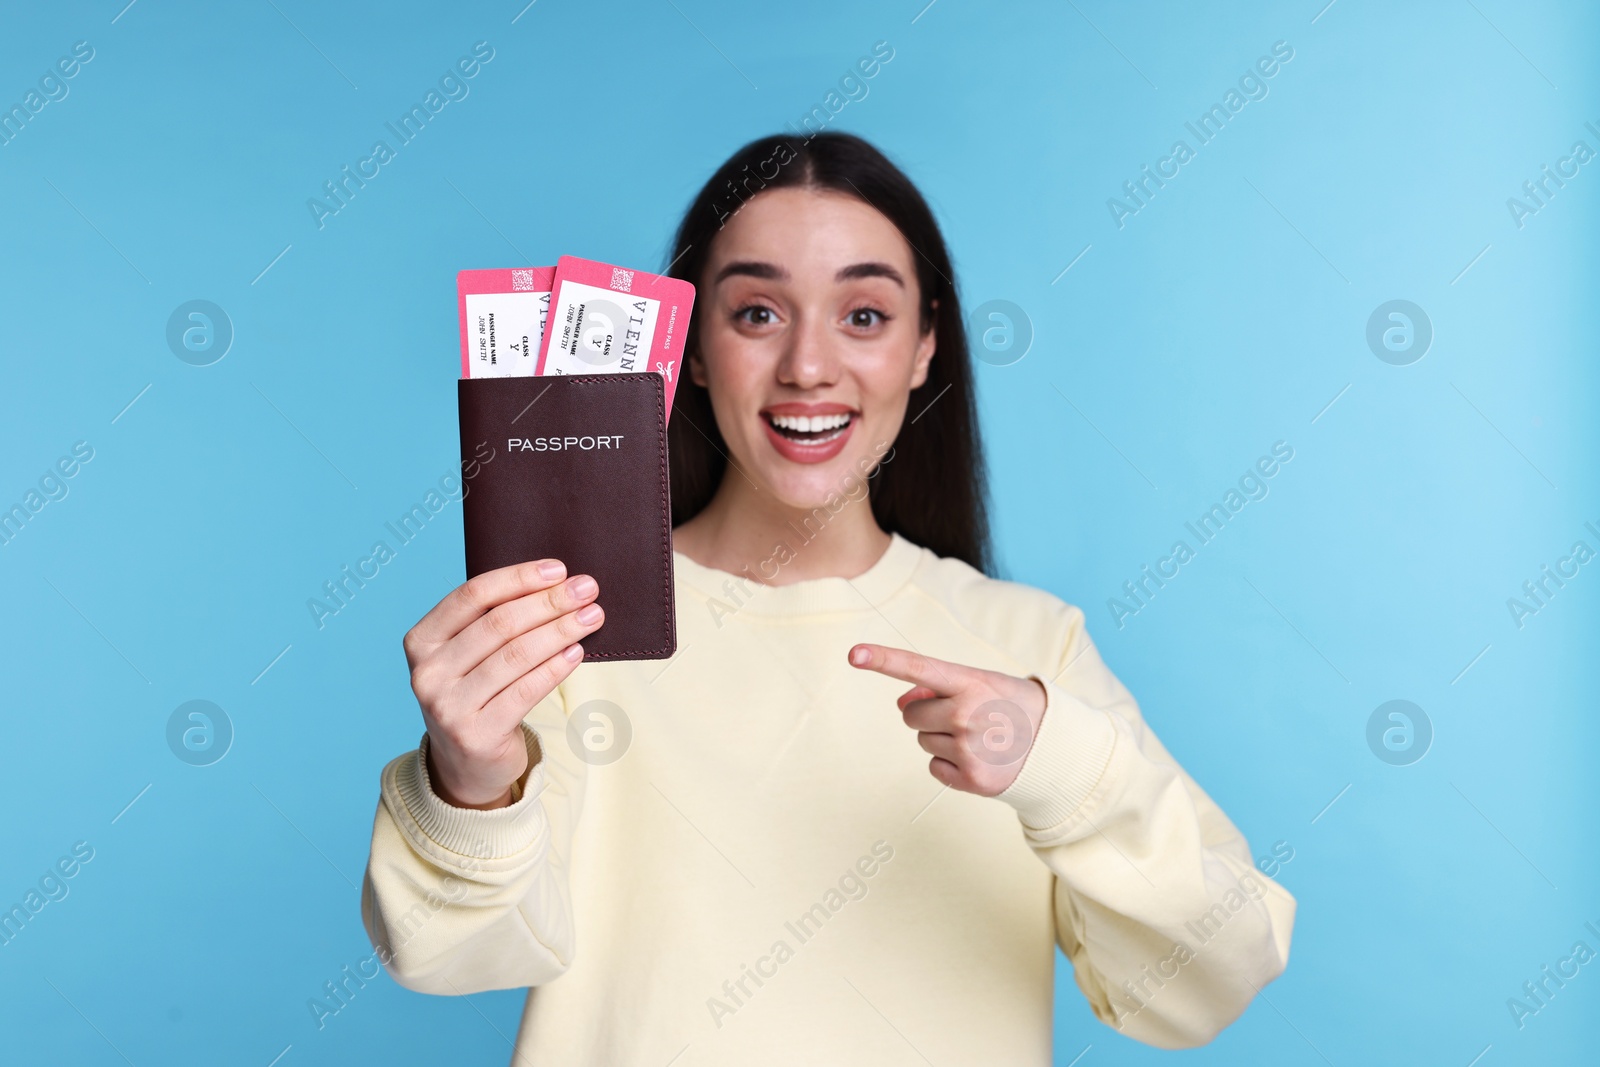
[(769, 849)]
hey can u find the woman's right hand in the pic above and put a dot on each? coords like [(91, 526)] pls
[(482, 658)]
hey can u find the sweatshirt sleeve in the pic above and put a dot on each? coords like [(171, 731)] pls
[(1170, 928), (458, 900)]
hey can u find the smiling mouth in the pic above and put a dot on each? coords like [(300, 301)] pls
[(811, 429)]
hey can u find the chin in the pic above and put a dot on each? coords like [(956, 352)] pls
[(814, 490), (820, 485)]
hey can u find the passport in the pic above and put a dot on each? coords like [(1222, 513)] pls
[(581, 476)]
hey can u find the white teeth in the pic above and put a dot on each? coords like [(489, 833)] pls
[(809, 424)]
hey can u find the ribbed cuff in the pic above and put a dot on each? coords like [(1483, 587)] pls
[(1066, 762), (482, 834)]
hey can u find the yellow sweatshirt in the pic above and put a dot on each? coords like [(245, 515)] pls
[(738, 856)]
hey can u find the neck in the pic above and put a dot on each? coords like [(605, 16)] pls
[(749, 531)]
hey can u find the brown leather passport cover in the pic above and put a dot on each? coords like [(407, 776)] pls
[(579, 474)]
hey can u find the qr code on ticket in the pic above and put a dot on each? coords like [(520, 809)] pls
[(522, 281), (621, 280)]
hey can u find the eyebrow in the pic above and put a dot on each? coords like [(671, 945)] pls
[(870, 270), (751, 269), (772, 272)]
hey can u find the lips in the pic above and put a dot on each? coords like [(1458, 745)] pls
[(810, 424), (808, 433)]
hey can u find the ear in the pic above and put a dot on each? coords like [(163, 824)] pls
[(925, 349), (697, 368)]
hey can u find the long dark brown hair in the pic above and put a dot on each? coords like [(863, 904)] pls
[(931, 489)]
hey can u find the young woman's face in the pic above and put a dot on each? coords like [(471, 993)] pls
[(810, 340)]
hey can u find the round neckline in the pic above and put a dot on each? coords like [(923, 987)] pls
[(865, 592)]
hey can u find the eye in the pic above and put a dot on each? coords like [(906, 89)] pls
[(865, 318), (755, 315)]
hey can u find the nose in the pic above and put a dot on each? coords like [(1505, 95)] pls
[(810, 358)]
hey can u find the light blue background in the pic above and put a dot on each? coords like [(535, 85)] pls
[(1224, 316)]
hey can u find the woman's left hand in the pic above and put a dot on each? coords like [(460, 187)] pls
[(978, 725)]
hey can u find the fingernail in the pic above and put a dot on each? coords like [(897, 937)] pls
[(589, 614), (582, 586), (551, 570), (572, 653), (859, 657)]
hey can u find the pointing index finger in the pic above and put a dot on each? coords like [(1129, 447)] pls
[(941, 677)]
